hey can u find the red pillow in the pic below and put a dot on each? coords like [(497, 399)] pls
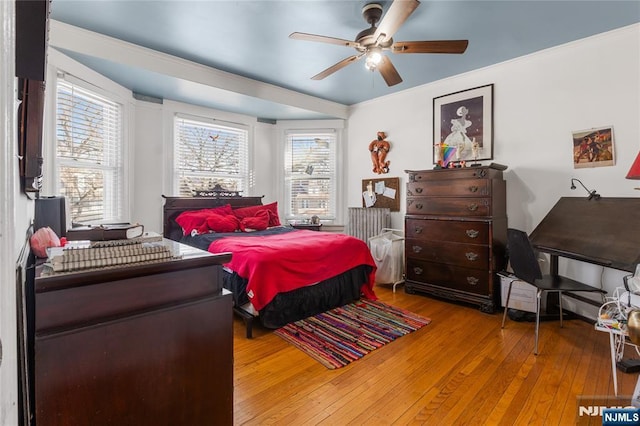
[(274, 219), (259, 222), (227, 223), (194, 219)]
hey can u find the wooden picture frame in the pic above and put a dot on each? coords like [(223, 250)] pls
[(386, 192), (464, 120)]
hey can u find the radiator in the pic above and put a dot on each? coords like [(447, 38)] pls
[(364, 223)]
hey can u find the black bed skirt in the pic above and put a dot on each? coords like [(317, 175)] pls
[(306, 301)]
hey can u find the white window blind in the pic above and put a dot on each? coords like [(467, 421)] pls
[(310, 175), (89, 153), (210, 153)]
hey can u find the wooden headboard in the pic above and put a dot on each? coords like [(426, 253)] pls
[(173, 206)]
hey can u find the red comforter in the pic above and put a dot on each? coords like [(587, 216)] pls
[(274, 264)]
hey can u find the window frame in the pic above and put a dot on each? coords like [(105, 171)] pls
[(245, 176), (337, 127), (87, 79)]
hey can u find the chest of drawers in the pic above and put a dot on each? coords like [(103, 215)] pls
[(147, 344), (456, 231)]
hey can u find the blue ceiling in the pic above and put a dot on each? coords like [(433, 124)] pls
[(250, 39)]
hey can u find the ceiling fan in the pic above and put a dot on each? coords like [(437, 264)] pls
[(370, 43)]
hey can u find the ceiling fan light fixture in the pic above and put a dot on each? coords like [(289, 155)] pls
[(374, 57)]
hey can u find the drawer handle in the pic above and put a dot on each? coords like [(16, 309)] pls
[(417, 270), (419, 206), (471, 255), (418, 229), (473, 207), (472, 280), (416, 249), (472, 233), (473, 188), (482, 173), (419, 190)]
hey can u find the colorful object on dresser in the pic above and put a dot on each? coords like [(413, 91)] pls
[(42, 239), (447, 154), (379, 149), (342, 335)]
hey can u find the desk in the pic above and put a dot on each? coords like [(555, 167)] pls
[(574, 227), (617, 340)]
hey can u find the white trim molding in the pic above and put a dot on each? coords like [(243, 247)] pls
[(86, 42), (8, 190)]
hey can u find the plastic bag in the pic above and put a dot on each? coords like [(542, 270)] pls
[(42, 239), (633, 282)]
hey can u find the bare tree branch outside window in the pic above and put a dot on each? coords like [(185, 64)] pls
[(88, 153), (209, 155)]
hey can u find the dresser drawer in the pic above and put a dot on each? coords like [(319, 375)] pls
[(467, 255), (447, 230), (451, 174), (449, 206), (450, 188), (449, 276)]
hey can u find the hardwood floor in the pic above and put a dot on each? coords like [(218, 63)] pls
[(460, 369)]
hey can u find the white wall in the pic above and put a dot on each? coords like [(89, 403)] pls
[(538, 101), (149, 161), (265, 154)]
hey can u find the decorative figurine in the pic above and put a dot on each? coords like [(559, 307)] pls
[(437, 155), (475, 152), (379, 149)]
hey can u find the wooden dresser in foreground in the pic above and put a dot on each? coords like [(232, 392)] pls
[(456, 233), (137, 345)]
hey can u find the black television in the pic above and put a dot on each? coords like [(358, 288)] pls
[(31, 30)]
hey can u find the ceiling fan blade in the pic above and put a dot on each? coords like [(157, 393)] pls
[(343, 63), (389, 72), (435, 46), (398, 12), (323, 39)]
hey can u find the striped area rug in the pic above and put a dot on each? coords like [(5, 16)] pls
[(342, 335)]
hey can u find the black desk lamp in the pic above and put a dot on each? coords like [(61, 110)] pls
[(592, 193)]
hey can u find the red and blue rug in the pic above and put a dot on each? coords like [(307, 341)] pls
[(342, 335)]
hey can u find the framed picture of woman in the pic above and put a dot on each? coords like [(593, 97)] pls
[(463, 126)]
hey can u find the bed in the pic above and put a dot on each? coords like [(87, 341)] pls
[(279, 274)]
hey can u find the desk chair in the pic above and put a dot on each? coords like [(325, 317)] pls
[(525, 266)]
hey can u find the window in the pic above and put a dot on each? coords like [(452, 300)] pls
[(210, 153), (89, 153), (310, 174)]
